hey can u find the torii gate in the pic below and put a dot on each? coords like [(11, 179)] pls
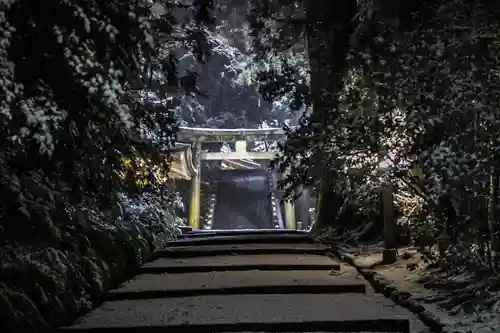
[(198, 136)]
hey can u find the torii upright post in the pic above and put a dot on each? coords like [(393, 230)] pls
[(302, 205), (194, 204), (290, 215)]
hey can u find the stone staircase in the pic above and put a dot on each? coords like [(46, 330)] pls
[(261, 281), (209, 192)]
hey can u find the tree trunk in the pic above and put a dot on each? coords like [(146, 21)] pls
[(493, 217), (328, 33)]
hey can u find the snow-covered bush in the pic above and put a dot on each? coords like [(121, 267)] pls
[(147, 210), (49, 286)]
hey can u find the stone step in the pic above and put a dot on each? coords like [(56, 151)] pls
[(275, 238), (274, 262), (239, 232), (239, 282), (241, 249), (237, 313)]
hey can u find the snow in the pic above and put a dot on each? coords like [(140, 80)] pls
[(477, 319)]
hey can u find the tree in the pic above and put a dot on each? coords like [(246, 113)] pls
[(71, 107), (410, 84), (83, 123), (326, 31)]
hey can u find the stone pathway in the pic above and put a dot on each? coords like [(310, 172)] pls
[(240, 283)]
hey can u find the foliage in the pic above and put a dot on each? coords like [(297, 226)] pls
[(75, 103), (45, 287), (151, 210), (78, 133), (402, 85), (228, 80)]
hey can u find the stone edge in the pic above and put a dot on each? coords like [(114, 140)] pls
[(390, 290)]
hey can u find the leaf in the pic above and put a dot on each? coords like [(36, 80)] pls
[(24, 211)]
